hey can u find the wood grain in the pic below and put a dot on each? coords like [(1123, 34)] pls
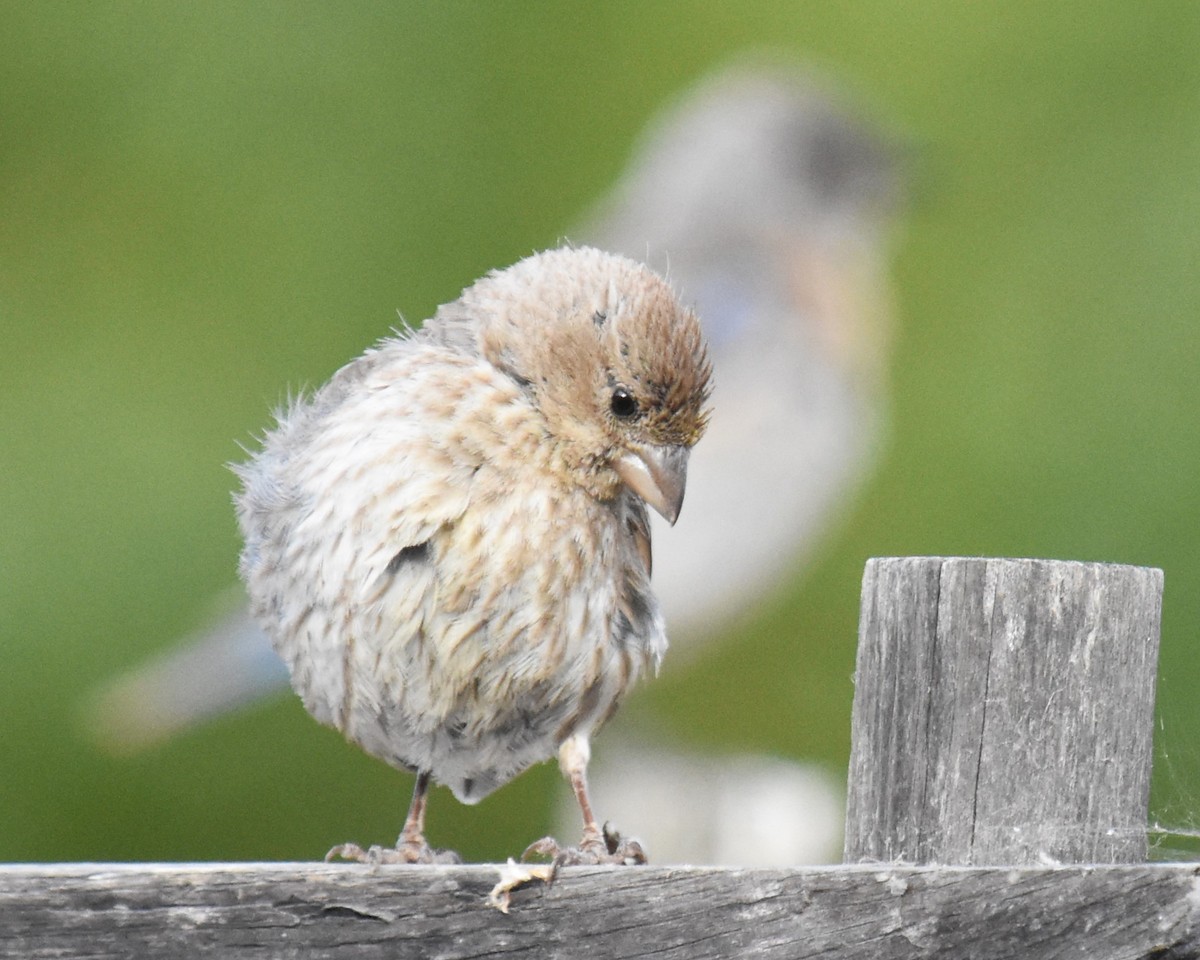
[(671, 913), (1003, 712)]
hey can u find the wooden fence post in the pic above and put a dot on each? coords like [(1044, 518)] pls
[(1003, 712)]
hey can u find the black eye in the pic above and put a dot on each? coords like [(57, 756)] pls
[(623, 405)]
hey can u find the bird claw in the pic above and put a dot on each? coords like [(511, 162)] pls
[(596, 847), (406, 852)]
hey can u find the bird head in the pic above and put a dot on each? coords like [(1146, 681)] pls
[(615, 365)]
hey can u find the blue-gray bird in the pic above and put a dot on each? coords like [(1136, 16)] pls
[(768, 204)]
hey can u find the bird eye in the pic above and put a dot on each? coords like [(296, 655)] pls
[(623, 405)]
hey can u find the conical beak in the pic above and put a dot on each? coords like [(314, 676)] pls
[(657, 475)]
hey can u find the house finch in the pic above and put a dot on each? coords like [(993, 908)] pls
[(448, 544)]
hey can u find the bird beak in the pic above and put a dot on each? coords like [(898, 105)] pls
[(657, 475)]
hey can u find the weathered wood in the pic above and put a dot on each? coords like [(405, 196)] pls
[(1003, 712), (333, 911)]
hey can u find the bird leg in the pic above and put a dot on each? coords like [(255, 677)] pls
[(411, 846), (598, 845)]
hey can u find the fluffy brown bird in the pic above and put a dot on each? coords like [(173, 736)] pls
[(448, 543)]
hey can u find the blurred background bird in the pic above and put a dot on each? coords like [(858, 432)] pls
[(768, 201)]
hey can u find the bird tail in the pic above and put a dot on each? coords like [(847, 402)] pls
[(223, 666)]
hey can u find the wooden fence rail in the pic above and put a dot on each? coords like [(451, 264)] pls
[(997, 809), (350, 912)]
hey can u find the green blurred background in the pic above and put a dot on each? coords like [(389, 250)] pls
[(204, 205)]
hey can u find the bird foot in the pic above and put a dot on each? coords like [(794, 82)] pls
[(407, 851), (596, 847)]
